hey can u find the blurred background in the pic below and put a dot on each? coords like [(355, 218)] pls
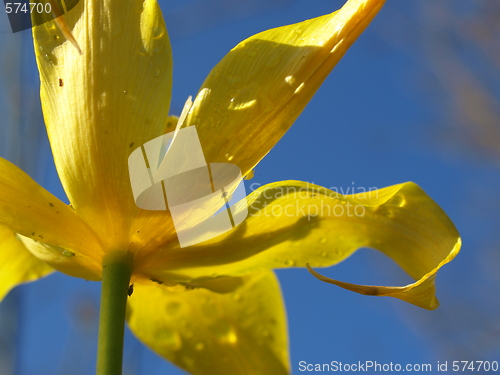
[(415, 99)]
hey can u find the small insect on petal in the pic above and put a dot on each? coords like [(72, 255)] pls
[(130, 289), (61, 83)]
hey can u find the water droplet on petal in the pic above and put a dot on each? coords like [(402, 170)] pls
[(188, 362), (169, 338), (323, 240), (250, 175), (399, 200), (289, 263), (199, 346), (158, 48), (290, 80), (68, 254), (157, 72), (298, 89), (224, 332), (158, 32)]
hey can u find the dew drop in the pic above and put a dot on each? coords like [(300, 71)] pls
[(250, 175), (47, 57), (158, 32), (199, 346), (289, 262), (399, 201), (225, 332), (157, 72), (384, 211), (158, 48), (323, 240), (236, 297), (298, 89), (169, 338), (68, 254), (290, 80), (188, 362), (229, 157)]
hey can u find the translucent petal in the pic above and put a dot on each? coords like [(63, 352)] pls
[(260, 87), (103, 103), (17, 264), (292, 223), (28, 209), (238, 333)]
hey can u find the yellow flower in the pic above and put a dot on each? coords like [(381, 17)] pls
[(215, 305)]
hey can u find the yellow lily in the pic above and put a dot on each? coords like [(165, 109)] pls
[(214, 307)]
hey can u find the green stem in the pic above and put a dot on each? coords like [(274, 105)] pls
[(116, 273)]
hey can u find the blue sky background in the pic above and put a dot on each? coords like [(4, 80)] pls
[(395, 109)]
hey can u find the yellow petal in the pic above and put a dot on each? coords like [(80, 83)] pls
[(237, 333), (102, 104), (260, 87), (17, 264), (69, 262), (292, 223), (420, 293), (30, 210)]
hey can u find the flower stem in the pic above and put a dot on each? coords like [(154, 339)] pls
[(116, 273)]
